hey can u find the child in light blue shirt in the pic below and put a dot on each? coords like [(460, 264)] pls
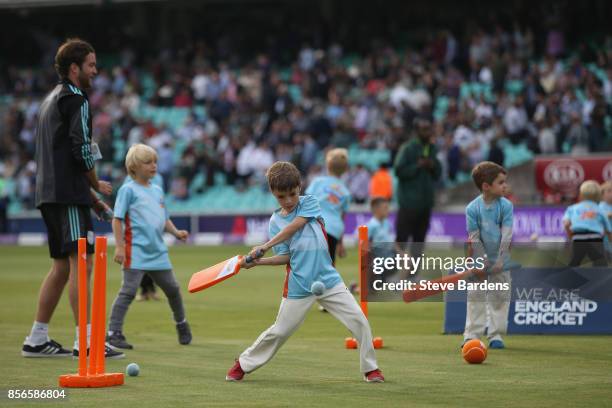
[(334, 199), (297, 237), (147, 286), (140, 220), (310, 260), (379, 227), (380, 234), (489, 219), (606, 207), (586, 226)]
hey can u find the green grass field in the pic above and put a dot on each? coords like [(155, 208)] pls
[(422, 366)]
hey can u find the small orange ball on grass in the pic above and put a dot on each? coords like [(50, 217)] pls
[(350, 343), (474, 351), (377, 342)]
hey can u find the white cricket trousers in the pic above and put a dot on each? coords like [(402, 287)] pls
[(292, 312), (488, 308)]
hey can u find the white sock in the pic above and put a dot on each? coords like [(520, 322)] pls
[(76, 342), (39, 334)]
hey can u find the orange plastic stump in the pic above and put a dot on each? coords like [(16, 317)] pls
[(92, 366), (363, 247), (91, 381)]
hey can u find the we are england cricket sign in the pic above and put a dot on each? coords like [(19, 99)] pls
[(549, 301)]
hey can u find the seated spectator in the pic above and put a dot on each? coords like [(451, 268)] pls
[(577, 136), (497, 89), (180, 188), (358, 180), (183, 98), (547, 141)]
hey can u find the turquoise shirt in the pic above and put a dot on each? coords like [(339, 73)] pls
[(156, 180), (489, 219), (380, 231), (309, 258), (334, 199), (606, 209), (586, 218), (144, 215)]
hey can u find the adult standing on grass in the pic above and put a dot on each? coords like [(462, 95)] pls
[(66, 186), (417, 169)]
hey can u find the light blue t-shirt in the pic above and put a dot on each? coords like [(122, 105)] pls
[(156, 180), (606, 209), (586, 218), (144, 215), (309, 258), (334, 199), (380, 231), (489, 220)]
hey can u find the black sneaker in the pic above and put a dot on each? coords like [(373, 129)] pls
[(109, 353), (49, 349), (184, 333), (118, 341)]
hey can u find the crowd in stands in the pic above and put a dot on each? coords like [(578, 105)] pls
[(482, 91)]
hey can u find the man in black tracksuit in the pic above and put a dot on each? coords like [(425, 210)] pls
[(65, 178)]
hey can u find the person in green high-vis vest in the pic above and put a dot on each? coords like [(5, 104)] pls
[(417, 169)]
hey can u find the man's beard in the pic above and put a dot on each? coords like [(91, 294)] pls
[(84, 81)]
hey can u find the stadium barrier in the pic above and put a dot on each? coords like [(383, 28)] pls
[(531, 224)]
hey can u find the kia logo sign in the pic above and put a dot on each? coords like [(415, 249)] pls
[(606, 173), (564, 175)]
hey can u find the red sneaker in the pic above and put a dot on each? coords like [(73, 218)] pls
[(374, 376), (235, 373)]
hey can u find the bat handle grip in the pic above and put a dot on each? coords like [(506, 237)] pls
[(250, 259)]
